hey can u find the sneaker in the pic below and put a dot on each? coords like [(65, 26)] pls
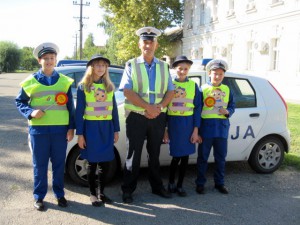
[(39, 205), (172, 188), (105, 199)]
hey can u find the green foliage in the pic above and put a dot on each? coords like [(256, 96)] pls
[(90, 48), (28, 62), (293, 158), (10, 56), (123, 18)]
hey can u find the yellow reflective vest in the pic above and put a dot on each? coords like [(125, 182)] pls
[(182, 103), (141, 86), (43, 97), (214, 98), (99, 103)]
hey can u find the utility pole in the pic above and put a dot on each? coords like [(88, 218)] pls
[(81, 24), (75, 49)]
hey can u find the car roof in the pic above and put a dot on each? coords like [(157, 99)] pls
[(63, 69)]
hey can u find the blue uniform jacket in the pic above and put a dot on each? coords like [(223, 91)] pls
[(22, 102), (217, 128)]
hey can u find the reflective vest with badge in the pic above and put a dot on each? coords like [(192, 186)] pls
[(44, 98), (182, 103), (141, 85), (99, 103), (214, 98)]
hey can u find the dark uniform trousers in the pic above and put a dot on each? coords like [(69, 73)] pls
[(139, 129)]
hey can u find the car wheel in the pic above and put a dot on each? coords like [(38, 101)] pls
[(267, 155), (77, 167)]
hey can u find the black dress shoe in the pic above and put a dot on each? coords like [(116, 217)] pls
[(162, 193), (172, 188), (200, 189), (105, 199), (181, 192), (222, 189), (39, 205), (127, 198), (62, 202)]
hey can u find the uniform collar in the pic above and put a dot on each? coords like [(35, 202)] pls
[(186, 79), (141, 59), (41, 75), (209, 83)]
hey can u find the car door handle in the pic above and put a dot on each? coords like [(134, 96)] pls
[(254, 115)]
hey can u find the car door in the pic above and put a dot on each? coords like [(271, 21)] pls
[(247, 120)]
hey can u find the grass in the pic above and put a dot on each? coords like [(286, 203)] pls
[(292, 159)]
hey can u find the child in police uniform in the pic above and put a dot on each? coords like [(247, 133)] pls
[(218, 107), (97, 124), (183, 122), (51, 122)]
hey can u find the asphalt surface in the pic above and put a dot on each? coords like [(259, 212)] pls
[(258, 199)]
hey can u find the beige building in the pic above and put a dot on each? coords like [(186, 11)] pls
[(259, 37)]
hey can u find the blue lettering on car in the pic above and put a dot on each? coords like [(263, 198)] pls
[(249, 132)]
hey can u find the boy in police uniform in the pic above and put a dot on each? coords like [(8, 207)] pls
[(218, 106), (51, 123), (148, 88)]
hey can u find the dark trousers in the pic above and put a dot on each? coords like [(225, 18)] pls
[(182, 169), (220, 151), (96, 179), (139, 129)]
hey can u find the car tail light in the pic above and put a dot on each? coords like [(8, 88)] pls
[(284, 102)]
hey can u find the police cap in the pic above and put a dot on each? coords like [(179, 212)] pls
[(45, 48), (216, 64), (148, 33)]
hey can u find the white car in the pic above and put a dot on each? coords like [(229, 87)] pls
[(258, 132)]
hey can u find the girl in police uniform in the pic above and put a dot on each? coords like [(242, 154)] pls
[(97, 124), (183, 122)]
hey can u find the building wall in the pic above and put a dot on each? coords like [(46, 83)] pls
[(256, 37)]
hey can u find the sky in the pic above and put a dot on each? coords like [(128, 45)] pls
[(32, 22)]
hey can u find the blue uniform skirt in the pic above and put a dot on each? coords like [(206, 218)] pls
[(99, 138), (180, 129)]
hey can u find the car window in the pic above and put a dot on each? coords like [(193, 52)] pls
[(78, 77), (115, 78), (196, 79), (244, 94)]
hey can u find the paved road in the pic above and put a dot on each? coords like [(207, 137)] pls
[(254, 199)]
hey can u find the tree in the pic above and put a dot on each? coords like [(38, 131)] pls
[(10, 56), (28, 62), (123, 18), (90, 48)]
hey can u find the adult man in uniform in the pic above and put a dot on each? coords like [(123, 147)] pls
[(148, 88)]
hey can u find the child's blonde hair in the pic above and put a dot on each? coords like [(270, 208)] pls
[(88, 78)]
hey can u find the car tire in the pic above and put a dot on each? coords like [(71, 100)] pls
[(267, 155), (77, 167)]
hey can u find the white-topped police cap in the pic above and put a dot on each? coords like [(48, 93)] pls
[(45, 48), (217, 64), (148, 33)]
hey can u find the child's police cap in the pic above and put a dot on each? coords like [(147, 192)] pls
[(97, 57), (181, 59), (45, 48), (216, 64), (148, 33)]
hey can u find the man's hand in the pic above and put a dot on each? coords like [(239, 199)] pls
[(152, 111)]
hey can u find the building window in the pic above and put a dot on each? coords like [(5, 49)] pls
[(274, 54), (230, 12), (214, 17), (229, 55), (190, 24), (250, 55)]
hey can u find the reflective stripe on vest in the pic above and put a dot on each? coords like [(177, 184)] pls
[(141, 86), (183, 102), (43, 97), (99, 103), (214, 98)]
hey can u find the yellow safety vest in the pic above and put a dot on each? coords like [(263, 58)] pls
[(99, 103), (182, 103), (141, 86), (214, 98), (43, 97)]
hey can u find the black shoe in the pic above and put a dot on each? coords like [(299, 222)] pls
[(222, 189), (95, 202), (39, 205), (200, 189), (162, 193), (127, 198), (62, 202), (172, 188), (181, 192), (105, 199)]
